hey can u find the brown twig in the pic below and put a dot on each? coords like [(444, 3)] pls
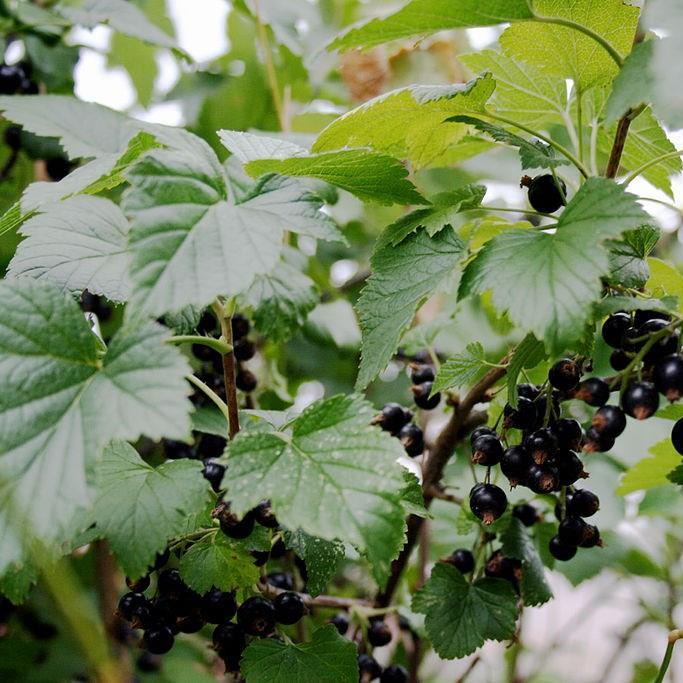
[(620, 141), (469, 669), (229, 372), (440, 494)]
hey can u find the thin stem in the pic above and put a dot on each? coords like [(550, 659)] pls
[(559, 147), (668, 205), (440, 494), (579, 121), (219, 345), (229, 367), (330, 601), (648, 164), (506, 209), (673, 637), (620, 141), (218, 401), (595, 128)]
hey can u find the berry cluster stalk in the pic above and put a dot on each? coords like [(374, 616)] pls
[(229, 371)]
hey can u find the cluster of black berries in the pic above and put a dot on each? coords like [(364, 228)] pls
[(397, 420), (15, 79), (546, 194), (422, 377)]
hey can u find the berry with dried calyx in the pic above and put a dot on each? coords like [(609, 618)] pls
[(394, 674), (591, 537), (609, 421), (488, 502), (541, 445), (229, 642), (596, 442), (158, 641), (568, 433), (341, 622), (523, 416), (139, 585), (392, 418), (129, 603), (560, 550), (515, 464), (368, 668), (583, 503), (498, 566), (487, 450), (640, 400), (543, 479), (256, 616), (668, 377), (481, 431), (572, 530), (545, 193), (594, 391), (564, 375), (570, 468), (421, 373), (234, 527), (527, 514), (379, 633), (264, 515), (614, 329), (412, 438), (422, 395)]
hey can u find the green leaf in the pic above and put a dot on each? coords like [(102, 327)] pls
[(219, 561), (57, 382), (139, 60), (665, 280), (528, 354), (634, 84), (424, 17), (517, 543), (462, 369), (628, 257), (412, 497), (334, 476), (140, 507), (408, 123), (402, 278), (322, 558), (612, 304), (532, 154), (652, 471), (190, 243), (328, 658), (445, 210), (461, 616), (673, 411), (92, 234), (547, 282)]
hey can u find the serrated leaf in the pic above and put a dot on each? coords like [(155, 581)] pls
[(423, 17), (517, 543), (322, 558), (219, 561), (547, 282), (673, 411), (92, 234), (408, 123), (612, 304), (402, 277), (328, 658), (462, 369), (334, 476), (445, 210), (634, 83), (140, 507), (56, 381), (651, 471), (412, 497), (528, 354), (665, 280), (461, 616)]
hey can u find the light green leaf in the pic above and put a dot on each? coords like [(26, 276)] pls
[(628, 264), (322, 558), (408, 123), (328, 658), (547, 282), (673, 411), (139, 60), (334, 476), (461, 616), (139, 507), (528, 354), (462, 369), (665, 280), (92, 234), (634, 84), (651, 471), (402, 278), (612, 304), (219, 561)]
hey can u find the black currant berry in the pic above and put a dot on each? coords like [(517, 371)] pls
[(217, 606), (614, 329), (530, 391), (462, 559), (541, 445), (149, 663), (498, 566), (233, 526), (572, 530), (240, 326), (192, 623), (487, 450), (12, 137), (244, 349), (591, 537), (583, 503), (662, 347), (488, 502), (619, 360), (560, 550), (542, 479), (11, 77), (282, 580), (213, 472), (260, 557), (229, 641), (158, 641), (526, 514), (609, 421), (564, 375), (368, 668), (289, 608), (544, 194), (568, 433), (138, 586), (341, 622), (278, 550), (177, 450), (524, 416), (246, 380), (677, 436), (256, 616), (640, 400), (379, 633), (595, 442), (264, 515), (422, 373), (58, 168), (392, 418), (423, 398), (515, 464), (570, 468), (594, 391), (668, 377), (129, 603), (481, 431), (412, 438), (170, 582), (394, 674)]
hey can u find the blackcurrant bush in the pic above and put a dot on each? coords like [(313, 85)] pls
[(282, 580), (412, 438), (129, 603), (640, 400), (233, 526), (423, 398), (560, 550), (218, 606), (583, 503), (379, 633), (487, 450), (422, 373), (541, 445), (523, 416), (213, 472), (289, 608), (619, 360), (392, 418), (341, 622), (570, 468), (488, 502), (542, 479), (594, 391), (677, 436), (394, 674), (609, 421), (481, 431), (614, 329), (544, 194), (228, 639), (158, 641), (591, 537), (246, 380), (568, 433), (572, 530), (515, 464), (139, 585), (368, 668), (149, 663), (564, 375), (526, 514), (244, 349), (462, 559), (256, 616), (668, 377)]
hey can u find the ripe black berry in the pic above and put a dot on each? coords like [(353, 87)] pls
[(595, 442), (246, 380), (233, 526), (217, 606), (662, 347), (515, 464), (244, 349), (11, 77), (541, 445), (481, 431), (609, 421), (594, 391), (614, 329), (530, 391), (256, 616), (619, 360), (341, 622), (462, 559), (240, 326), (526, 514), (560, 550), (568, 433), (677, 436), (544, 194), (213, 472), (583, 503), (228, 639), (488, 502), (394, 674), (264, 515), (422, 396), (591, 537), (170, 582), (289, 608), (564, 375), (487, 450), (138, 586), (543, 479), (640, 400), (521, 417), (500, 567), (190, 623), (379, 633), (282, 580), (668, 377), (368, 668), (421, 374), (572, 530), (58, 168), (392, 418), (412, 438), (570, 468), (158, 641), (129, 603), (176, 450)]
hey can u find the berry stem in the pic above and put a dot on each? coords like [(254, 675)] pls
[(674, 636), (652, 162), (224, 313), (440, 494), (219, 345), (218, 401), (330, 601)]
